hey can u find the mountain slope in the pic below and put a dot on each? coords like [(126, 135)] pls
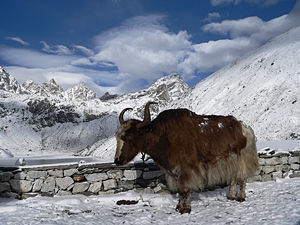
[(8, 82), (262, 89), (47, 119)]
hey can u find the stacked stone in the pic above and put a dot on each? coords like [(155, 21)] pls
[(275, 166), (100, 179)]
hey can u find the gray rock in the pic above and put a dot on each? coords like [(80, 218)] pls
[(21, 186), (261, 161), (285, 160), (64, 183), (5, 186), (286, 168), (148, 190), (95, 187), (36, 174), (295, 166), (109, 184), (80, 187), (37, 185), (56, 173), (126, 184), (295, 174), (115, 174), (132, 174), (48, 185), (277, 174), (294, 159), (272, 161), (254, 179), (70, 172), (266, 177), (70, 187), (96, 177), (268, 169), (62, 193), (20, 176), (5, 176), (28, 195), (152, 174)]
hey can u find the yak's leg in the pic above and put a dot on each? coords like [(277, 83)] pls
[(242, 194), (232, 190), (184, 204)]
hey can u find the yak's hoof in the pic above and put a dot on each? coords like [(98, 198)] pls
[(231, 198), (182, 209), (240, 199)]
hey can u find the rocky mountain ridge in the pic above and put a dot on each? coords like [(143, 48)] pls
[(46, 118)]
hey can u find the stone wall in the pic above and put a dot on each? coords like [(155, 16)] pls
[(94, 178), (101, 178)]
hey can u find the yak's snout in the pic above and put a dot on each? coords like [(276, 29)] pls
[(117, 161)]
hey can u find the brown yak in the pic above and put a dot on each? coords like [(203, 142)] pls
[(194, 151)]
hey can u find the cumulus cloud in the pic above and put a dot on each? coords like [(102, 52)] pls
[(213, 55), (143, 47), (17, 39)]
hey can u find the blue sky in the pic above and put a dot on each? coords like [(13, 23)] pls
[(125, 45)]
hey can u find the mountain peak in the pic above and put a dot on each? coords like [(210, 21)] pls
[(52, 88), (80, 92), (9, 83)]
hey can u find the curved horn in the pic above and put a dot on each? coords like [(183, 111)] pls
[(147, 117), (121, 119)]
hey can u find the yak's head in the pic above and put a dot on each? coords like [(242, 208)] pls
[(129, 136)]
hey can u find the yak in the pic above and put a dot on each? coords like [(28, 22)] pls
[(194, 151)]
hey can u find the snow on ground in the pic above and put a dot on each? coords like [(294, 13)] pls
[(266, 203)]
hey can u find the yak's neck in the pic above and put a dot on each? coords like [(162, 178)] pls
[(157, 147)]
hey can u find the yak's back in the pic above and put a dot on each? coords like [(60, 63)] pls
[(207, 137)]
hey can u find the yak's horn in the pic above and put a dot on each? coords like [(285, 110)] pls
[(121, 119), (147, 117)]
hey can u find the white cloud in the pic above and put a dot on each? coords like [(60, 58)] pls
[(245, 35), (219, 2), (143, 47), (141, 50), (56, 49), (212, 16), (84, 50), (213, 55), (32, 58), (17, 39), (252, 27)]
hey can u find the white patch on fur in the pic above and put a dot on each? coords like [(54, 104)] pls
[(220, 125)]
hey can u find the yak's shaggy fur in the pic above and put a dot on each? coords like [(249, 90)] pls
[(195, 151)]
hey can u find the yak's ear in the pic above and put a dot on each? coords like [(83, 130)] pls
[(147, 117), (121, 119)]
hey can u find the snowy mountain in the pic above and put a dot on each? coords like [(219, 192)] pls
[(9, 83), (80, 92), (45, 118), (261, 89)]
